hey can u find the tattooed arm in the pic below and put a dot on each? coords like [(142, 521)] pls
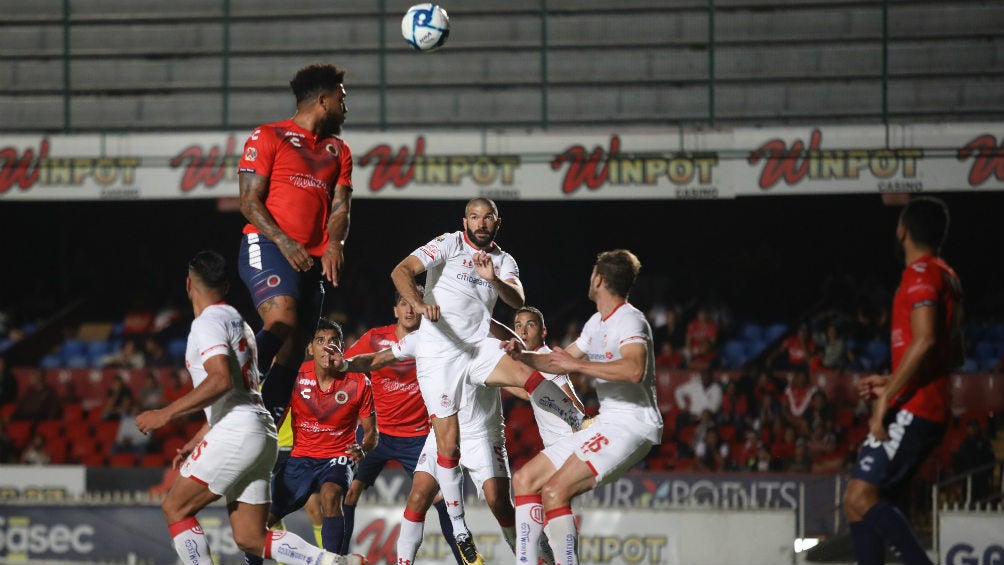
[(254, 190), (338, 231)]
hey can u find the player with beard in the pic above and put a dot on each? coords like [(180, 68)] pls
[(401, 414), (466, 273), (295, 180), (615, 348), (912, 405)]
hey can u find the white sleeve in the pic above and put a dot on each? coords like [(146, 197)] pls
[(436, 251), (405, 347), (631, 329), (508, 268), (210, 337)]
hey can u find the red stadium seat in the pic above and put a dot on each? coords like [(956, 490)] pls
[(73, 413), (727, 433), (50, 428), (94, 460), (106, 431), (171, 446), (122, 460), (57, 448), (153, 460), (7, 410), (83, 447), (19, 432)]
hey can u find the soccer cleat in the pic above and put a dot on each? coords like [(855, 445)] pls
[(469, 553), (328, 558)]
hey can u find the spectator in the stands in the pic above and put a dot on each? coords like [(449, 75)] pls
[(129, 356), (819, 414), (975, 451), (129, 439), (795, 352), (800, 461), (68, 393), (36, 452), (735, 408), (8, 453), (151, 394), (155, 353), (835, 354), (39, 400), (118, 400), (8, 383), (698, 394), (668, 357), (784, 450), (798, 395), (710, 452), (747, 452), (701, 341), (764, 461)]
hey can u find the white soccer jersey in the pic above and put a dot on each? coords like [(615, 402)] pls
[(465, 299), (480, 412), (602, 340), (220, 330), (551, 427)]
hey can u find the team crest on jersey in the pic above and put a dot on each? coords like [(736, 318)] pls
[(341, 397), (444, 401), (273, 281), (251, 154), (331, 149), (441, 238)]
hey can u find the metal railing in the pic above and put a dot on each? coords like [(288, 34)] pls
[(917, 25)]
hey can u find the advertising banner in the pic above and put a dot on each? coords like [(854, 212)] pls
[(48, 482), (138, 535), (532, 165), (971, 538)]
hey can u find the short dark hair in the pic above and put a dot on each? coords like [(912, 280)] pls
[(327, 324), (481, 201), (315, 79), (926, 220), (531, 310), (397, 295), (210, 268), (619, 269)]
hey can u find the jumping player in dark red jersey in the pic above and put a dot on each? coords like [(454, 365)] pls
[(401, 416), (911, 407), (295, 181), (326, 406)]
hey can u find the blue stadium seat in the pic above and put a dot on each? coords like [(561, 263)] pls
[(984, 350), (755, 347), (752, 331), (176, 349), (72, 348), (877, 353), (774, 331), (734, 353), (969, 366), (52, 361)]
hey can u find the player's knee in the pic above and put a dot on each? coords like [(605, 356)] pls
[(553, 495), (353, 494), (501, 508), (523, 482), (858, 499), (250, 542)]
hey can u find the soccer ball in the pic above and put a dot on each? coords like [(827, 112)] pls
[(425, 27)]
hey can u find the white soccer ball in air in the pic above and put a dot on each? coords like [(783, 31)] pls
[(425, 27)]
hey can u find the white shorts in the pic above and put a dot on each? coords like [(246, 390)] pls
[(442, 372), (235, 461), (609, 448), (484, 457)]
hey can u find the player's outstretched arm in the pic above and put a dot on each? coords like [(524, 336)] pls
[(366, 362), (215, 385), (629, 368)]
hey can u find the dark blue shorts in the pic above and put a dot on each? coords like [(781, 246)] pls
[(404, 450), (266, 274), (300, 477), (890, 464)]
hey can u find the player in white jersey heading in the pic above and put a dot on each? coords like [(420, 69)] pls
[(466, 272), (615, 348), (232, 455)]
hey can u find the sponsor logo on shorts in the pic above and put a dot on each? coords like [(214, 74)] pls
[(273, 281)]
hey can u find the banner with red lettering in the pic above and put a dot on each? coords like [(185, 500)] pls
[(532, 165)]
